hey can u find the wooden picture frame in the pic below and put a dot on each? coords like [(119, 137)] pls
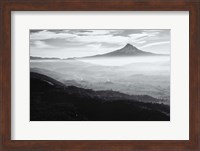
[(7, 6)]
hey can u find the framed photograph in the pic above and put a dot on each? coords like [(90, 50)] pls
[(100, 75)]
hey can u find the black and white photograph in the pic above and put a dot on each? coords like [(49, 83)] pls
[(99, 74)]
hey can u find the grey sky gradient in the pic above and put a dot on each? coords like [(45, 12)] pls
[(86, 42)]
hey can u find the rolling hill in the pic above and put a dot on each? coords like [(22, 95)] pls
[(51, 100)]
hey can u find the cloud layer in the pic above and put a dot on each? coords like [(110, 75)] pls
[(75, 43)]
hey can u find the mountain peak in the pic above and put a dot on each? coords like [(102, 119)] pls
[(127, 51), (130, 47), (128, 44)]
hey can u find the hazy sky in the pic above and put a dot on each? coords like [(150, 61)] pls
[(83, 42)]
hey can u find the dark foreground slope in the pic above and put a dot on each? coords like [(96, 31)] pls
[(50, 100)]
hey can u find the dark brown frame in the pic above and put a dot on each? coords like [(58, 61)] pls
[(6, 6)]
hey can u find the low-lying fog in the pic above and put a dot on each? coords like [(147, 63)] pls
[(120, 61), (130, 75)]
